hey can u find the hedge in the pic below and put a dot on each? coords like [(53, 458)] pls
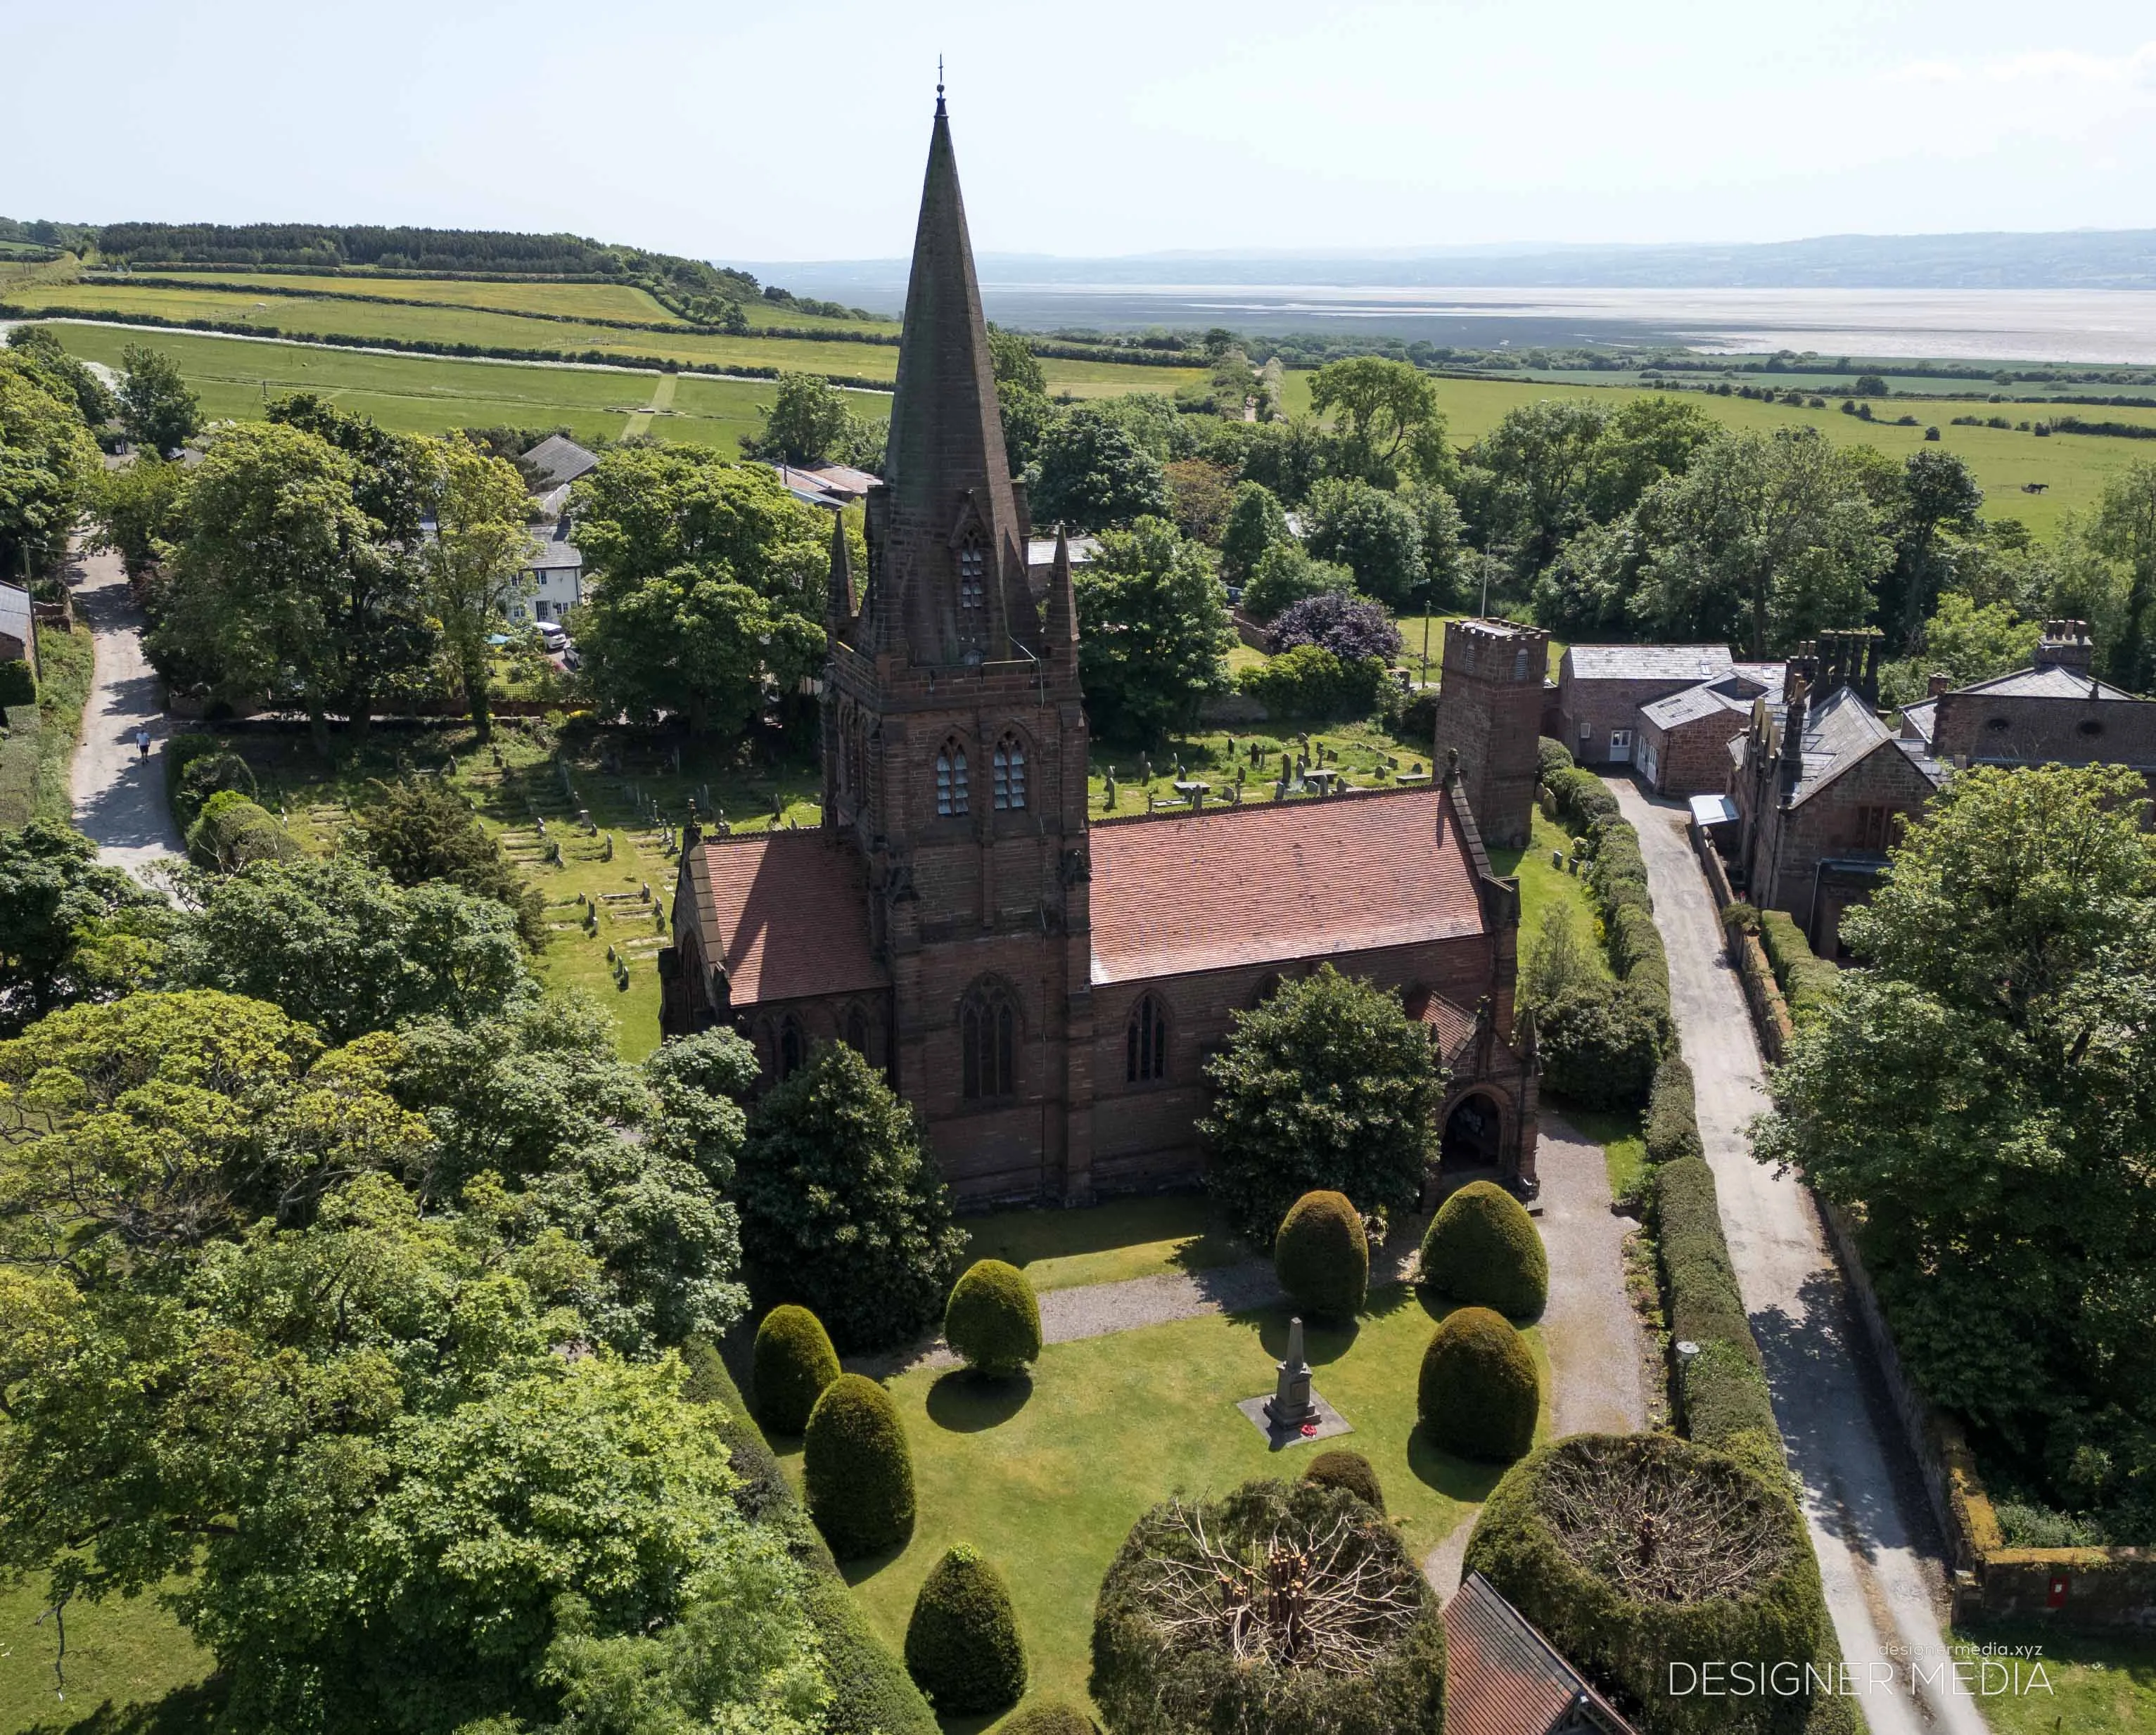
[(1629, 1641), (1483, 1248), (232, 832), (994, 1321), (1148, 1683), (857, 1469), (1582, 797), (1478, 1395), (1673, 1125), (1341, 1468), (1704, 1304), (18, 683), (1600, 1043), (1321, 1256), (872, 1693), (961, 1645), (763, 1492), (1807, 981), (1552, 758)]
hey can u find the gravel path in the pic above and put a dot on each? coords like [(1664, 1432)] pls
[(1589, 1328), (119, 794), (1877, 1552)]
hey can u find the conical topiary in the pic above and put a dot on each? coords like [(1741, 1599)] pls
[(1479, 1395), (1483, 1248), (793, 1361), (994, 1321), (1341, 1468), (857, 1470), (1322, 1257), (962, 1646)]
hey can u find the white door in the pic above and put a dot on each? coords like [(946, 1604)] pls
[(1620, 746), (1647, 766)]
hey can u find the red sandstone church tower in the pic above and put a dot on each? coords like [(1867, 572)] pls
[(955, 751)]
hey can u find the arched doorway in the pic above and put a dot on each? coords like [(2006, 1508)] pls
[(1473, 1135)]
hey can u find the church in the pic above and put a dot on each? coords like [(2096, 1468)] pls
[(1044, 985)]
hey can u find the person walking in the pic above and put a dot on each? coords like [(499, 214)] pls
[(142, 741)]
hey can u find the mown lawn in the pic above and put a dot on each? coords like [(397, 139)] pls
[(1046, 1474), (128, 1669), (1124, 1239), (2091, 1685), (65, 662)]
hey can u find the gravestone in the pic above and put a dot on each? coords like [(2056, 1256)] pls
[(1295, 1412)]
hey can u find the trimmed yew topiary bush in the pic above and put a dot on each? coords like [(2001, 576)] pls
[(1635, 1552), (1341, 1468), (962, 1646), (763, 1490), (1172, 1655), (793, 1361), (1479, 1394), (857, 1470), (1323, 1256), (993, 1321), (1483, 1247), (1048, 1717)]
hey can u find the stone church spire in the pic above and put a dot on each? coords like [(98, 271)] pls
[(947, 555)]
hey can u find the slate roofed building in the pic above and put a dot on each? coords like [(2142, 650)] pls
[(1823, 785), (18, 629), (1042, 984), (1670, 710), (2054, 713), (1503, 1677), (555, 460)]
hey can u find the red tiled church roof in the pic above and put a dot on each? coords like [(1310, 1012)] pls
[(1265, 884), (789, 913), (1503, 1677)]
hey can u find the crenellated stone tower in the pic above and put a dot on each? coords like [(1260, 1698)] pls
[(1490, 712), (955, 753)]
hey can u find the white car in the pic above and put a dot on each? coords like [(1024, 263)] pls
[(553, 635)]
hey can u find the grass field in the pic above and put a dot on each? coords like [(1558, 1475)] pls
[(122, 1658), (2072, 468), (1046, 1474), (417, 394), (2092, 1684), (1110, 1243), (581, 301)]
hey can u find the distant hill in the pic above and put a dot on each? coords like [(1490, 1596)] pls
[(2075, 259)]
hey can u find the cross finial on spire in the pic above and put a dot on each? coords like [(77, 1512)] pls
[(939, 87)]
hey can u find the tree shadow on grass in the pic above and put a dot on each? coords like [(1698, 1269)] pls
[(184, 1711), (1321, 1342), (969, 1724), (962, 1402), (1456, 1478), (859, 1571)]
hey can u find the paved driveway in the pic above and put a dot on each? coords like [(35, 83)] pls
[(1877, 1548), (119, 795)]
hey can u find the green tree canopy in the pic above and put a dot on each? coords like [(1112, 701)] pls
[(156, 407), (649, 508), (1375, 535), (1387, 418), (2124, 532), (1765, 540), (341, 946), (1984, 1091), (419, 828), (1937, 492), (69, 929), (1094, 475), (1965, 643), (1154, 632), (48, 467), (809, 422), (380, 1451), (64, 376), (843, 1212), (1256, 521), (1325, 1087), (476, 561)]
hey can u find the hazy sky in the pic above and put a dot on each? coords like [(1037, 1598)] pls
[(797, 131)]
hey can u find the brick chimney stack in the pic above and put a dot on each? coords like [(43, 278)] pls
[(1939, 683), (2065, 644)]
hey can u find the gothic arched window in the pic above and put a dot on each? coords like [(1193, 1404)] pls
[(791, 1048), (1010, 772), (953, 800), (857, 1031), (1145, 1043), (987, 1046), (972, 573)]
